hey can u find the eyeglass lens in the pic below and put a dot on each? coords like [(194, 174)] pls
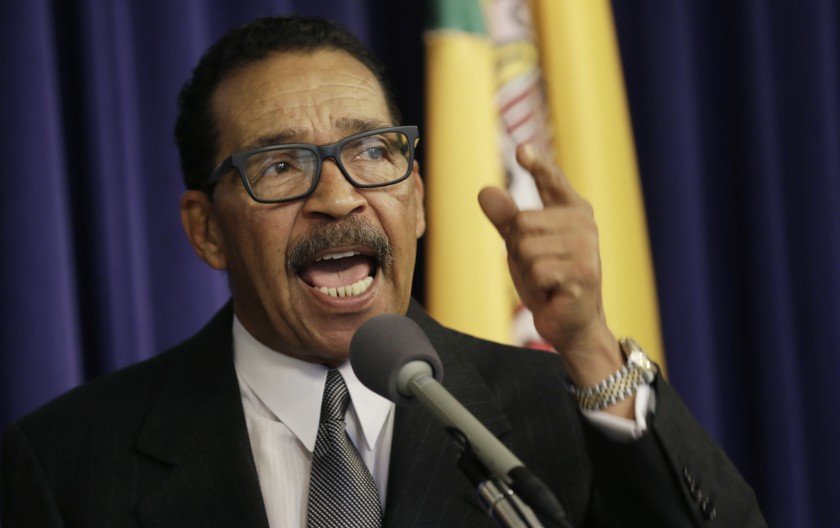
[(376, 159)]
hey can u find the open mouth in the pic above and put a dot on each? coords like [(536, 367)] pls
[(340, 273)]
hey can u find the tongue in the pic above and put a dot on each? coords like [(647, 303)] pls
[(336, 272)]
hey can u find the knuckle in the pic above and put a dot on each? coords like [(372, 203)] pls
[(522, 222), (530, 247), (575, 289), (589, 268), (545, 273)]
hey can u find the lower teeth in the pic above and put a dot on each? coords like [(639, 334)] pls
[(352, 290)]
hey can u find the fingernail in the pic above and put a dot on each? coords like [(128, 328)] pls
[(528, 153)]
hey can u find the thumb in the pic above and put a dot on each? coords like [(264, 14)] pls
[(498, 207)]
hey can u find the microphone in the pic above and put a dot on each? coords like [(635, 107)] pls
[(393, 357)]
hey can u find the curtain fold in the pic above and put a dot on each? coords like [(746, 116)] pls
[(40, 299)]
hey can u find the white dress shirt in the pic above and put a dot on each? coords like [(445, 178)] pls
[(281, 397)]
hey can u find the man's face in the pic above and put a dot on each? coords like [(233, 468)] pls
[(318, 97)]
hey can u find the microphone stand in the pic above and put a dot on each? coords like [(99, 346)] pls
[(502, 503), (499, 501)]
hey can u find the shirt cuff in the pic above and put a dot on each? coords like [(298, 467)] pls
[(621, 429)]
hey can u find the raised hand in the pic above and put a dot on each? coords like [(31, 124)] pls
[(555, 265)]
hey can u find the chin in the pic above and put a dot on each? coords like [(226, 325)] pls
[(334, 350)]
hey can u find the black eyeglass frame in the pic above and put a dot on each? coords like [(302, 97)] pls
[(322, 153)]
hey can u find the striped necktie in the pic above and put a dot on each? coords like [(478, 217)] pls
[(341, 491)]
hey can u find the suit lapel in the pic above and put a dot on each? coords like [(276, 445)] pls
[(197, 426), (425, 488)]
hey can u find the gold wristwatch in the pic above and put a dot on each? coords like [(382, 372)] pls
[(638, 370)]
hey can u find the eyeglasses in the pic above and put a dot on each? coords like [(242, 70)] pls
[(282, 173)]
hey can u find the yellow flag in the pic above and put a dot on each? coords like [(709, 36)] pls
[(594, 145), (467, 277)]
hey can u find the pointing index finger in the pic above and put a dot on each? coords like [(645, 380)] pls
[(499, 208), (552, 184)]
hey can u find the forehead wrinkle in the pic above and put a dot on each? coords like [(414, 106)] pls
[(346, 124), (355, 86), (313, 99), (278, 98)]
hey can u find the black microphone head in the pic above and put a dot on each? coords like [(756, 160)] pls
[(382, 346)]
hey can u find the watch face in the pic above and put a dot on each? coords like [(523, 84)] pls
[(637, 357)]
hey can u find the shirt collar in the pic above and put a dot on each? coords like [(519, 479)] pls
[(292, 389)]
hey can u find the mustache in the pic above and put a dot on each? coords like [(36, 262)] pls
[(351, 231)]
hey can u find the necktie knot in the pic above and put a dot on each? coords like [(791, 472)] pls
[(336, 398)]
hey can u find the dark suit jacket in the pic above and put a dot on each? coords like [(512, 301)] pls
[(164, 444)]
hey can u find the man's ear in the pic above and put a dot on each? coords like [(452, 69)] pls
[(419, 194), (199, 220)]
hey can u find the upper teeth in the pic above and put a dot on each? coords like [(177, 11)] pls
[(332, 256), (352, 290)]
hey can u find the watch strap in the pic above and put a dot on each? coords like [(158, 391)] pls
[(638, 370)]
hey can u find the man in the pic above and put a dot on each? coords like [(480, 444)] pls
[(302, 185)]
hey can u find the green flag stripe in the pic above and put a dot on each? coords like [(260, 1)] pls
[(462, 15)]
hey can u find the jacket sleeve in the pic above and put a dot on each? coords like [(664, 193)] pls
[(25, 497), (675, 475)]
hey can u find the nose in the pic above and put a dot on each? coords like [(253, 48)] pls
[(334, 197)]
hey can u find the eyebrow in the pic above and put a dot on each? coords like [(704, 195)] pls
[(348, 126), (287, 135), (354, 126)]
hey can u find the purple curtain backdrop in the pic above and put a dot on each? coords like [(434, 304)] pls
[(736, 109)]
